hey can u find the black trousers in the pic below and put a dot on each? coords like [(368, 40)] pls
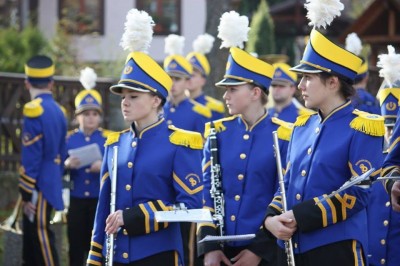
[(80, 225), (38, 240), (167, 258), (188, 231), (343, 253)]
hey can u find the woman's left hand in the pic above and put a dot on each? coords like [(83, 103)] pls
[(114, 222), (95, 166), (246, 258)]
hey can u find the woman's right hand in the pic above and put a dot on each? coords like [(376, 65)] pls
[(215, 257), (72, 162)]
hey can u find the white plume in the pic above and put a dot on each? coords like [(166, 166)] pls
[(353, 43), (233, 29), (390, 64), (322, 12), (174, 44), (203, 43), (88, 78), (138, 31)]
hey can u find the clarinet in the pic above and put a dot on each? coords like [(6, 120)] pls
[(110, 237), (216, 182), (288, 244)]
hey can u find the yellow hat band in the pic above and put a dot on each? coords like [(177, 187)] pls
[(39, 73)]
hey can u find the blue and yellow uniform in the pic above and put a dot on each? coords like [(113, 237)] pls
[(157, 168), (364, 101), (217, 107), (288, 113), (312, 155), (43, 147)]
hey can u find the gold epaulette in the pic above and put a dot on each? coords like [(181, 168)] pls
[(367, 123), (105, 132), (215, 105), (285, 129), (218, 124), (186, 138), (201, 109), (72, 132), (33, 108), (114, 137), (305, 111), (63, 109), (302, 119)]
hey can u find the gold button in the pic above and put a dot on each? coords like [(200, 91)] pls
[(309, 151), (87, 193), (130, 165), (125, 255), (383, 261), (125, 232), (242, 156), (87, 181), (87, 139), (385, 223), (233, 218), (317, 130), (387, 204), (303, 173), (172, 110), (87, 170), (128, 187), (134, 144), (298, 196), (237, 197), (383, 241), (240, 177), (246, 136), (169, 122)]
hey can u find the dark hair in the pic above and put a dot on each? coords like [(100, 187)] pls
[(265, 92), (346, 88), (163, 100)]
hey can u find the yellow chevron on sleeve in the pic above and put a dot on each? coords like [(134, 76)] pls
[(185, 187), (323, 211)]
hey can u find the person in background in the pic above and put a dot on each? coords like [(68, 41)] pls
[(43, 147), (158, 165), (180, 110), (246, 154), (201, 69), (283, 88), (85, 181), (362, 99)]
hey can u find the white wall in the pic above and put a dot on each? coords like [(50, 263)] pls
[(106, 47)]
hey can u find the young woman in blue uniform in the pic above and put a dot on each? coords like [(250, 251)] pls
[(327, 148), (248, 165), (158, 166), (85, 181)]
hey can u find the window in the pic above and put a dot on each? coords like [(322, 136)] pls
[(82, 16), (165, 13)]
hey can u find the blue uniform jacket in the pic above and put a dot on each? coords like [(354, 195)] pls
[(322, 156), (159, 167), (188, 115), (85, 184), (249, 173), (392, 160), (364, 101), (217, 107), (288, 114), (43, 147)]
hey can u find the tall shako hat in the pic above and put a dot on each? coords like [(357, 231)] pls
[(283, 75), (389, 94), (354, 45), (88, 99), (322, 55), (202, 45), (39, 69), (175, 64), (241, 67), (141, 72)]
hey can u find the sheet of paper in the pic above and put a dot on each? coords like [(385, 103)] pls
[(227, 238), (87, 154), (193, 215)]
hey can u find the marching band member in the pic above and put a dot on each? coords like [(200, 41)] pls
[(180, 110), (383, 222), (202, 45), (85, 180), (283, 88), (43, 146), (158, 165), (245, 150), (327, 148)]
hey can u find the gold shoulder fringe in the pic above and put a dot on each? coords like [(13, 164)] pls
[(201, 109), (186, 138), (302, 119), (114, 137), (105, 132), (218, 124), (33, 108), (215, 105), (285, 129), (369, 124)]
